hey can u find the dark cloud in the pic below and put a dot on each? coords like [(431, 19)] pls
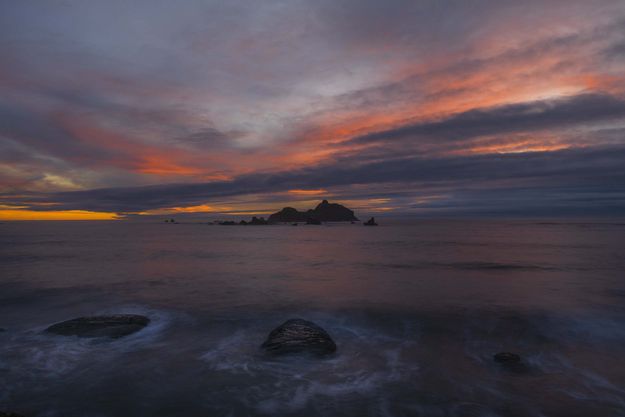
[(523, 117), (567, 171)]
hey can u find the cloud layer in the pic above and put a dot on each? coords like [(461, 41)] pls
[(402, 106)]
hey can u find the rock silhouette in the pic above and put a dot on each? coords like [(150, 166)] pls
[(115, 326), (258, 222), (370, 222), (299, 336), (324, 212), (7, 414)]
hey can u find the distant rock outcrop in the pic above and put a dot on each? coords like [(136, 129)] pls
[(324, 212), (101, 326), (370, 222), (258, 222), (299, 336)]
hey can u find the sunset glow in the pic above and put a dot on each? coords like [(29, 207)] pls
[(194, 116)]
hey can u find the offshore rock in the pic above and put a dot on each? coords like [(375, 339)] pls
[(370, 222), (258, 222), (287, 214), (115, 326), (324, 212), (299, 336)]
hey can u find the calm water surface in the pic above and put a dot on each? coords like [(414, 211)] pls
[(416, 308)]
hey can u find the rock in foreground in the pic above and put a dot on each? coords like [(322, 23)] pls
[(101, 326), (298, 335), (5, 414)]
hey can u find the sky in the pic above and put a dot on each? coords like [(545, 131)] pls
[(121, 109)]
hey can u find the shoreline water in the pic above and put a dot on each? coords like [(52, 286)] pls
[(417, 311)]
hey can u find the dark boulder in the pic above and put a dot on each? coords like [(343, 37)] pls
[(299, 336), (7, 414), (2, 330), (370, 222), (101, 326)]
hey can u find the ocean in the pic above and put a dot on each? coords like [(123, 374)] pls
[(417, 309)]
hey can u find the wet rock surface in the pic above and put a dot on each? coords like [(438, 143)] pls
[(114, 326), (299, 336)]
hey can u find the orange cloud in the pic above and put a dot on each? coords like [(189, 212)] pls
[(308, 192)]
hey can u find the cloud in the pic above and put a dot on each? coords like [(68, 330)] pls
[(146, 105), (525, 117), (566, 171)]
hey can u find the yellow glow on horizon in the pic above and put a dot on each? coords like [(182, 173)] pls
[(17, 214)]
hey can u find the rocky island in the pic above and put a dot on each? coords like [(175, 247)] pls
[(324, 212)]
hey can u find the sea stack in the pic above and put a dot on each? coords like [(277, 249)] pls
[(299, 336), (324, 212), (370, 222)]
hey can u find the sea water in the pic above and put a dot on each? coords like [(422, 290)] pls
[(417, 309)]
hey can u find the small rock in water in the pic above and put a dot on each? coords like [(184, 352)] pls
[(101, 326), (5, 414), (370, 222), (298, 335), (2, 330), (507, 357)]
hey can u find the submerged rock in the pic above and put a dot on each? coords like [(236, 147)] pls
[(370, 222), (507, 358), (115, 326), (511, 362), (298, 335)]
